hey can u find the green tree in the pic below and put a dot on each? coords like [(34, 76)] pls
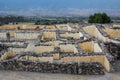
[(99, 18)]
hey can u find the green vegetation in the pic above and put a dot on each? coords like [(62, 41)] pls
[(11, 19), (99, 18), (58, 20), (40, 20)]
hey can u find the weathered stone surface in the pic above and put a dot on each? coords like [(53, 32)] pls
[(46, 67)]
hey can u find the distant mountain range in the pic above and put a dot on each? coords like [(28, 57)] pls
[(59, 7)]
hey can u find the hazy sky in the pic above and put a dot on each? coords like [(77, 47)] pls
[(59, 5)]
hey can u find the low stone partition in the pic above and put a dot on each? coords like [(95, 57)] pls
[(102, 59), (39, 59), (26, 35), (47, 67)]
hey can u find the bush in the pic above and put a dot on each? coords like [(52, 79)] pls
[(99, 18)]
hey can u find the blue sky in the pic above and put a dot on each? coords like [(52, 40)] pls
[(60, 5)]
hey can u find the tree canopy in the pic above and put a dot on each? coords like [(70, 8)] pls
[(58, 20), (99, 18), (11, 19)]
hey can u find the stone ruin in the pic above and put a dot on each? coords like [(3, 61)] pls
[(65, 48)]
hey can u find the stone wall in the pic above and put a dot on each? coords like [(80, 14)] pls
[(26, 35), (98, 58), (16, 50), (12, 43), (3, 35), (40, 59), (45, 67), (100, 34), (113, 49), (96, 32)]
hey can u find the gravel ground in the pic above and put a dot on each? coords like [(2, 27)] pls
[(13, 75)]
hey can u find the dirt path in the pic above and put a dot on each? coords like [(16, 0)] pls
[(13, 75)]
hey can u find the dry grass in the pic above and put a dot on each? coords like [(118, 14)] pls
[(74, 35), (69, 48), (41, 27), (32, 27), (62, 27), (112, 32), (42, 49), (87, 46), (39, 49), (50, 27), (8, 27), (12, 33), (74, 26), (28, 27), (16, 50), (54, 43), (90, 30), (49, 35), (56, 56)]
